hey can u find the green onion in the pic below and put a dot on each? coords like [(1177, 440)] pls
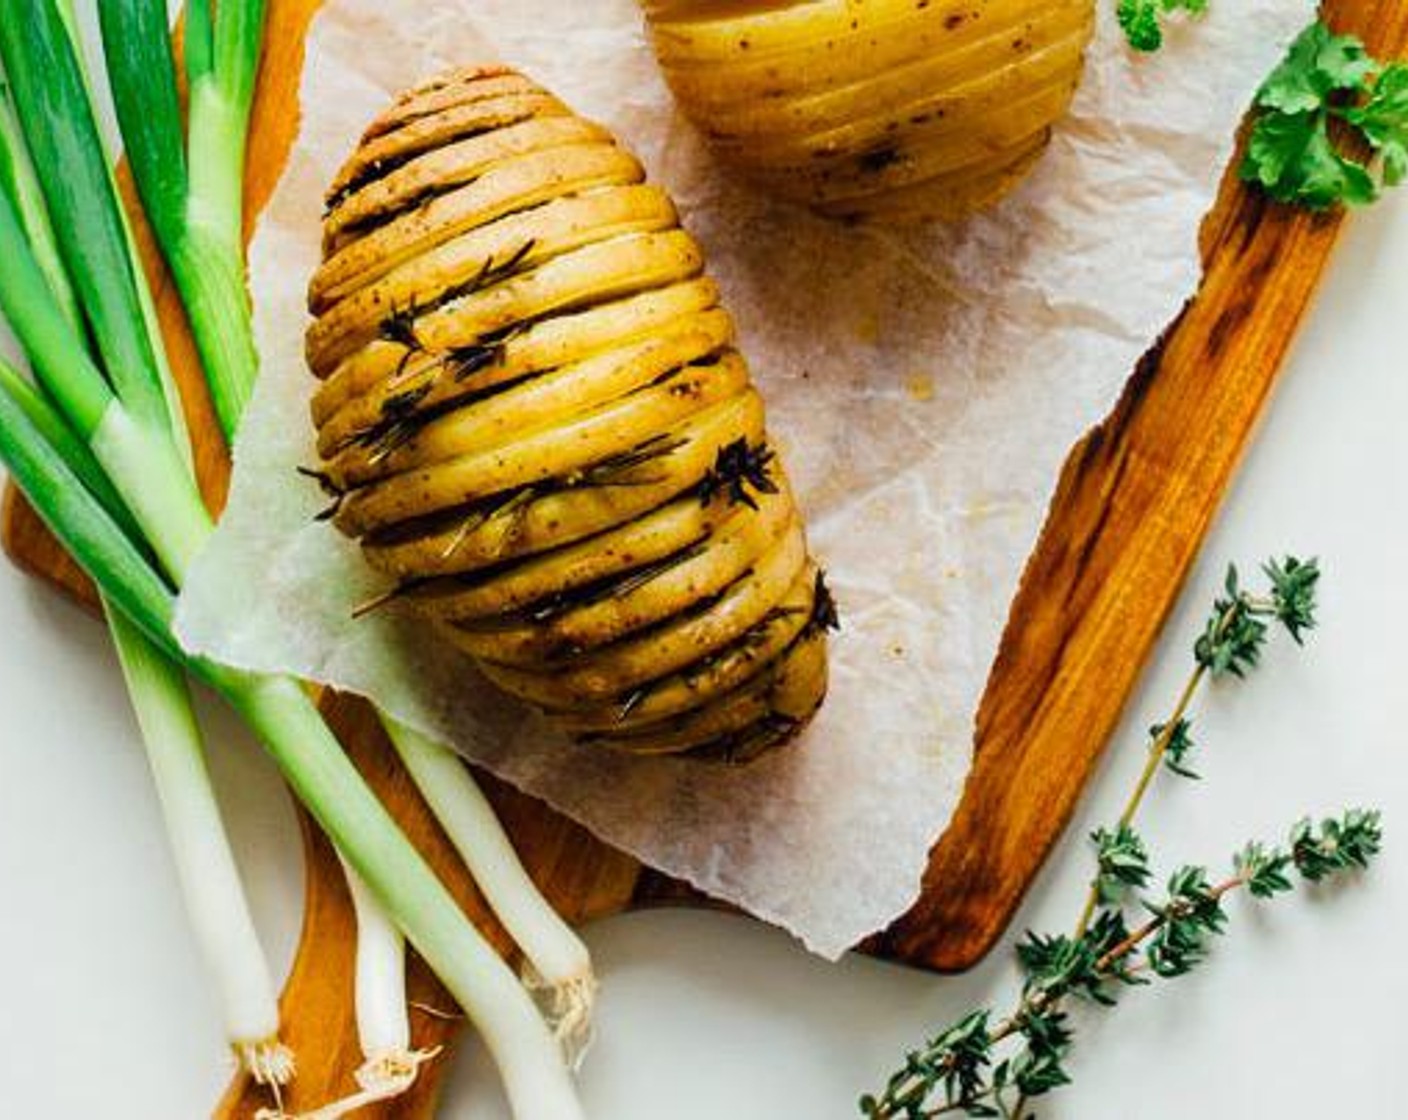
[(557, 964), (200, 41), (51, 426), (27, 197), (389, 1064), (21, 187), (320, 774), (193, 205), (137, 454), (193, 195), (381, 976), (66, 369), (145, 466), (84, 527), (155, 341), (535, 1078), (140, 609), (205, 865)]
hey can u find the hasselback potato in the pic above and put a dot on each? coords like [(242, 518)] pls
[(533, 417), (890, 109)]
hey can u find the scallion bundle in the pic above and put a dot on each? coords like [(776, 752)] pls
[(156, 683), (94, 439)]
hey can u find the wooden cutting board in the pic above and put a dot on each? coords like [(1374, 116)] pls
[(1134, 501)]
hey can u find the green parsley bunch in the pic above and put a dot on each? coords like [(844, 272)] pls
[(1325, 95)]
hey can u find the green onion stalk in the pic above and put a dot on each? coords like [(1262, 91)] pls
[(312, 761), (556, 964), (390, 1064), (175, 413), (104, 412), (193, 191)]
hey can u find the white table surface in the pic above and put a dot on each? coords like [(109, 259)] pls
[(103, 1011)]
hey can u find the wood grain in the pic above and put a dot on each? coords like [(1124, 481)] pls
[(1134, 501)]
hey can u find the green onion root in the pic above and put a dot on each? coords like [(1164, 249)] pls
[(557, 965), (389, 1065), (536, 1079), (205, 866)]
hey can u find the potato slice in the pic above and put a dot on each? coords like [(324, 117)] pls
[(441, 170), (599, 448), (639, 597), (364, 381), (515, 184), (746, 722), (537, 403), (532, 588), (723, 672), (532, 521), (608, 674)]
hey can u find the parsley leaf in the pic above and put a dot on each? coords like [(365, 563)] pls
[(1384, 121), (1294, 155), (1142, 20), (1318, 64)]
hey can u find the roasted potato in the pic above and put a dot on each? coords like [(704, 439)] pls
[(901, 110), (533, 416)]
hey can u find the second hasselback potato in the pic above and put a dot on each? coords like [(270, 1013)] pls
[(533, 416), (900, 110)]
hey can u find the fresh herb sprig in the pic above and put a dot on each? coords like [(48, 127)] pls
[(988, 1067), (1327, 93), (1143, 20)]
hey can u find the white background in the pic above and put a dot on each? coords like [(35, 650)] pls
[(103, 1010)]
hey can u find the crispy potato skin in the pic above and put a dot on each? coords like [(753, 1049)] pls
[(534, 419), (893, 110)]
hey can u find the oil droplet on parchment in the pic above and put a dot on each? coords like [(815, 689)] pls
[(920, 386)]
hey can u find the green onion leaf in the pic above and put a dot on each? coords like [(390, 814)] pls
[(74, 452), (239, 33), (20, 184), (200, 43), (195, 203), (142, 74), (84, 527), (56, 352), (51, 96)]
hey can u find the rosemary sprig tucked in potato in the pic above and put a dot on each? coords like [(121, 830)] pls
[(533, 416), (890, 109)]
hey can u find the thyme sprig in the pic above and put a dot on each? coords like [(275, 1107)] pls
[(983, 1066), (737, 467), (1230, 644)]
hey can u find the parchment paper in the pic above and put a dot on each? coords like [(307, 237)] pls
[(924, 386)]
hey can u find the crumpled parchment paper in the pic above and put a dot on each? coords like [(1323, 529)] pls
[(924, 386)]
